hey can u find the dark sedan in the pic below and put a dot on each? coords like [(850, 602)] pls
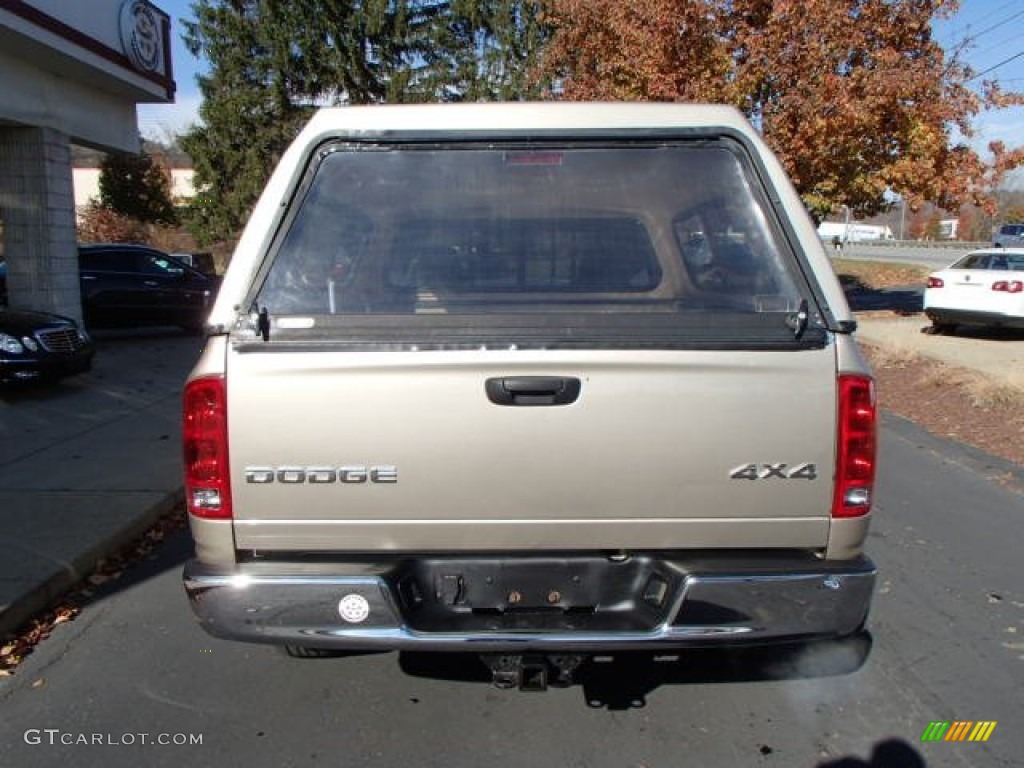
[(37, 345)]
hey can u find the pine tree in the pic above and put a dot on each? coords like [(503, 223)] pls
[(485, 50), (137, 187), (272, 62)]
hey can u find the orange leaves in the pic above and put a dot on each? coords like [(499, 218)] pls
[(854, 96), (19, 646), (650, 50), (103, 225)]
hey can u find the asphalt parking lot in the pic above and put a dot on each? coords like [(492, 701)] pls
[(88, 463)]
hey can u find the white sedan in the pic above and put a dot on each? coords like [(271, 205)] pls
[(983, 288)]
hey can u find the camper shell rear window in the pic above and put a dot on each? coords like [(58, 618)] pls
[(663, 244)]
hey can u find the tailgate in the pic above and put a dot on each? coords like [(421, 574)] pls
[(360, 451)]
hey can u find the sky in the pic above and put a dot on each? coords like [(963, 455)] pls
[(992, 28), (996, 46)]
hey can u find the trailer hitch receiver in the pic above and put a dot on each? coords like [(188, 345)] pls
[(532, 672)]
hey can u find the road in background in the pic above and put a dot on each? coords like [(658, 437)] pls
[(88, 464)]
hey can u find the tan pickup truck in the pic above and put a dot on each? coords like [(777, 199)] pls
[(533, 381)]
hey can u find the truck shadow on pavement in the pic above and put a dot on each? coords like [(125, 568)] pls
[(891, 753), (901, 299), (622, 681)]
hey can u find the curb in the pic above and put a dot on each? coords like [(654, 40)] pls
[(43, 596)]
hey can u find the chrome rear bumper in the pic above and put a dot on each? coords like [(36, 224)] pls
[(368, 607)]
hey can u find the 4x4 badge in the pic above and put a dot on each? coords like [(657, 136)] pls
[(769, 471)]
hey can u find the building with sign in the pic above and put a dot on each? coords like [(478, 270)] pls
[(70, 72)]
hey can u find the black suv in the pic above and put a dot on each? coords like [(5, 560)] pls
[(128, 285), (124, 285)]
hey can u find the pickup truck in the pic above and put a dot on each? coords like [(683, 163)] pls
[(534, 381)]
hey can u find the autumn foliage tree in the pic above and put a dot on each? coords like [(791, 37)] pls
[(855, 96), (1011, 206), (99, 224)]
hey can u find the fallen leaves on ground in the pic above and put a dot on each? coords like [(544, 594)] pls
[(875, 275), (108, 570), (19, 646), (947, 401)]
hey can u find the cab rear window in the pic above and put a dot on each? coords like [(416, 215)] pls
[(465, 256)]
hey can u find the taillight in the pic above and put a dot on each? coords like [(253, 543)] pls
[(935, 282), (205, 440), (857, 447), (1008, 286)]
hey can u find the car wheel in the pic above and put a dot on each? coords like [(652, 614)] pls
[(940, 329)]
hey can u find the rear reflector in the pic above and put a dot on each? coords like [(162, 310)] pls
[(856, 449), (205, 440)]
